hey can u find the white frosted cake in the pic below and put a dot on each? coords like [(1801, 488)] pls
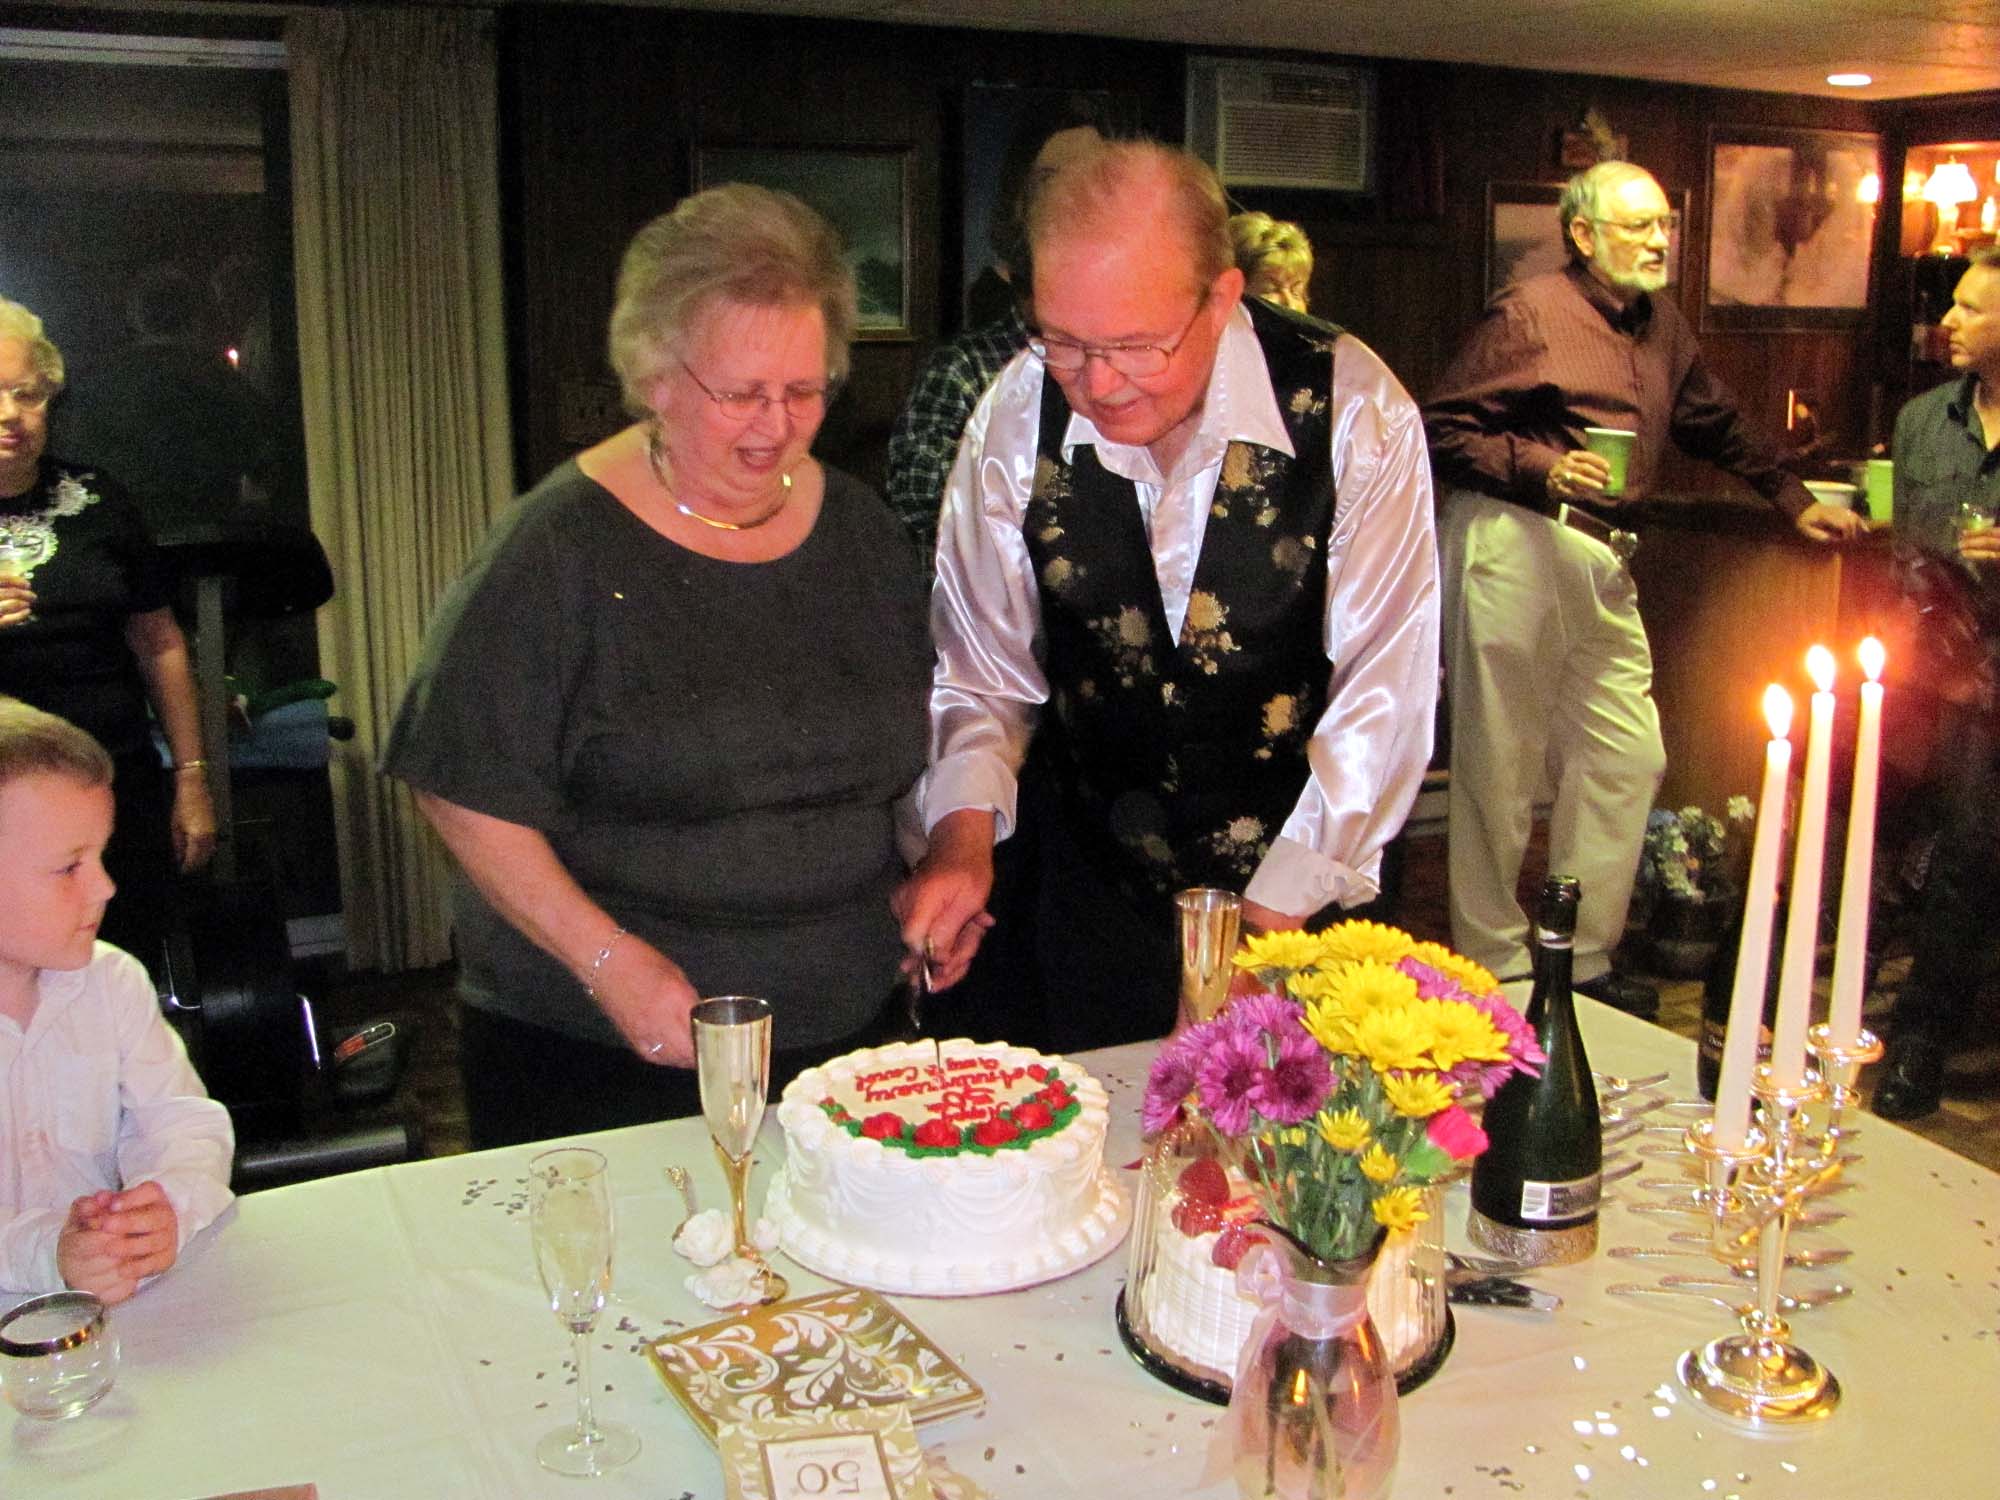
[(1194, 1312), (945, 1169)]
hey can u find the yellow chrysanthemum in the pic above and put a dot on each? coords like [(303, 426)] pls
[(1360, 987), (1280, 951), (1352, 942), (1460, 1031), (1416, 1096), (1399, 1210), (1469, 976), (1314, 984), (1330, 1023), (1344, 1130), (1378, 1165), (1293, 1135), (1394, 1037)]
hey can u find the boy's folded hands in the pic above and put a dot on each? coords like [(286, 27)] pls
[(113, 1241)]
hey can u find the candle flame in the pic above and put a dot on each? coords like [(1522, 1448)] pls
[(1778, 711), (1819, 667), (1873, 658)]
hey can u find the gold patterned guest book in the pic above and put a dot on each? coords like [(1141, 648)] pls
[(836, 1350)]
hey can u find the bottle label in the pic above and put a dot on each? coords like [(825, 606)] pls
[(1559, 1202)]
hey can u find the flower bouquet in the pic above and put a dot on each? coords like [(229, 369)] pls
[(1337, 1092), (1687, 890), (1691, 854), (1337, 1097)]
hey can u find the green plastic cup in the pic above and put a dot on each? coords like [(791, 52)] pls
[(1614, 446), (1880, 488)]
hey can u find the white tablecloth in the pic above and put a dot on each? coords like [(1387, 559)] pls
[(382, 1335)]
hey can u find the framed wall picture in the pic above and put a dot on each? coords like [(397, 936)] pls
[(864, 191), (1523, 238), (1791, 226)]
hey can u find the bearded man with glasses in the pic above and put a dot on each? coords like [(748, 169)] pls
[(1546, 661), (1186, 550)]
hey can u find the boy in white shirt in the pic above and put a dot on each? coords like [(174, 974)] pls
[(112, 1155)]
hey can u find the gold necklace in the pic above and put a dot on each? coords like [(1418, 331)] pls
[(656, 456)]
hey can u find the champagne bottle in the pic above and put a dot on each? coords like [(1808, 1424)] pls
[(1717, 992), (1535, 1187)]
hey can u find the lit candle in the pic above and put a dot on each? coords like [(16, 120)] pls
[(1795, 976), (1753, 956), (1850, 952)]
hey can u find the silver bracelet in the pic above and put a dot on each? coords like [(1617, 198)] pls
[(597, 963)]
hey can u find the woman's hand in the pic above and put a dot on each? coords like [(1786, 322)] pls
[(649, 1000), (17, 602), (942, 906), (193, 821)]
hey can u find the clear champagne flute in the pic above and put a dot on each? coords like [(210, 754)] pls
[(732, 1051), (570, 1220)]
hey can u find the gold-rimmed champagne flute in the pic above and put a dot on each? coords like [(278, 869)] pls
[(732, 1051), (1209, 922), (571, 1223)]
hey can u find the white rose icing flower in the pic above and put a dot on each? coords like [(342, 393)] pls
[(731, 1284), (706, 1238)]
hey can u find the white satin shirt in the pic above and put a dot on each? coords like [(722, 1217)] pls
[(1371, 745), (98, 1093)]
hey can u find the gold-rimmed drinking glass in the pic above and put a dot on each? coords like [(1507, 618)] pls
[(732, 1052)]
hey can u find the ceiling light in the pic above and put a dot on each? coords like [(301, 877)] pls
[(1850, 80)]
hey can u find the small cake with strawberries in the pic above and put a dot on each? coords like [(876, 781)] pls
[(945, 1169), (1193, 1312)]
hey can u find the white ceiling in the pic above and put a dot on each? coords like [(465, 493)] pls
[(1910, 47)]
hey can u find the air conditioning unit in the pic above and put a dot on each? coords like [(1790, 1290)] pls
[(1262, 123)]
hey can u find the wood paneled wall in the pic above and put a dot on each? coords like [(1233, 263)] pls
[(602, 108)]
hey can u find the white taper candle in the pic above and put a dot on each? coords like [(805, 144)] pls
[(1753, 955), (1795, 976)]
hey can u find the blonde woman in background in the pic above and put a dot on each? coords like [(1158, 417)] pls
[(1275, 257)]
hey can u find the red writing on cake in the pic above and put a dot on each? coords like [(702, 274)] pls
[(959, 1090)]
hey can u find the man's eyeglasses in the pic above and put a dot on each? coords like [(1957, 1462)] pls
[(29, 398), (1136, 361), (799, 401), (1640, 229)]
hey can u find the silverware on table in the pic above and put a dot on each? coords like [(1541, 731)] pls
[(1498, 1291), (1786, 1302)]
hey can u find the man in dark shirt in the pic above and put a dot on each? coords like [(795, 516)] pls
[(1548, 671), (1947, 452)]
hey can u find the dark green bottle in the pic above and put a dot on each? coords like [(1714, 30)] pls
[(1535, 1187)]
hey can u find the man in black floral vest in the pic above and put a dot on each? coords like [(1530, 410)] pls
[(1195, 566)]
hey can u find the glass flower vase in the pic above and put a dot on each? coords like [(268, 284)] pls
[(1313, 1415)]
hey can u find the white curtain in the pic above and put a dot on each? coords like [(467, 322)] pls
[(403, 376)]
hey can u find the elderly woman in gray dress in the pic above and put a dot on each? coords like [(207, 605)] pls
[(663, 720)]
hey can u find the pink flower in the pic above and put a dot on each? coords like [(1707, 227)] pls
[(1294, 1087), (1453, 1131), (1432, 984), (1268, 1012), (1233, 1068), (1172, 1076)]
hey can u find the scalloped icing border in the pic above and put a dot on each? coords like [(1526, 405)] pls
[(1102, 1229)]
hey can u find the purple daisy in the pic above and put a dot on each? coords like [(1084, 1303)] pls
[(1296, 1084), (1232, 1068), (1172, 1077), (1269, 1012)]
